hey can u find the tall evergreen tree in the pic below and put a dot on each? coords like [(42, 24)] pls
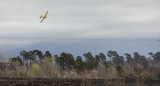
[(69, 62), (129, 59), (17, 59), (32, 58), (62, 60), (79, 64), (112, 54), (47, 55), (144, 62), (156, 57), (136, 58), (90, 60), (25, 55), (38, 55)]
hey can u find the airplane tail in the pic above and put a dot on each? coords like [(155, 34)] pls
[(41, 16)]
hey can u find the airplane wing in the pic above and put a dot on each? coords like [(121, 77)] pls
[(46, 13), (42, 20)]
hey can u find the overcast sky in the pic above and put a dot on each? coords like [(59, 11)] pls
[(78, 19)]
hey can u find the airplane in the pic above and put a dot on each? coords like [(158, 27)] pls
[(43, 17)]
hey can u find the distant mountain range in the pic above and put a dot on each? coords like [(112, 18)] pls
[(79, 47)]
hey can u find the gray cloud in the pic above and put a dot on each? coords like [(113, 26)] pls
[(78, 19)]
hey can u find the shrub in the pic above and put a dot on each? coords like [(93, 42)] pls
[(36, 69), (120, 70)]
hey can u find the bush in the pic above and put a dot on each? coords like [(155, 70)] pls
[(146, 75), (120, 70), (36, 69)]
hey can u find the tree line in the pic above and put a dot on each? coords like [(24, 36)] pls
[(67, 61)]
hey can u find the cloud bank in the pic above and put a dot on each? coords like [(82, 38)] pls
[(76, 19)]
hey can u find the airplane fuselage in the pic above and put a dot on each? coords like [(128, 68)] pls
[(43, 17)]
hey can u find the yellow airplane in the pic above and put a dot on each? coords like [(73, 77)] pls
[(43, 17)]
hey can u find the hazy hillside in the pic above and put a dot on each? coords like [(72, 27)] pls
[(79, 47)]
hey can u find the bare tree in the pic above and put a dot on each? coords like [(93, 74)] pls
[(2, 58)]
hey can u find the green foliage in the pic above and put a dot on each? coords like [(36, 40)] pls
[(120, 71), (112, 54), (136, 58), (36, 69), (129, 59), (62, 60), (49, 67), (139, 64), (70, 62), (65, 61), (156, 57), (80, 65), (56, 59), (47, 54), (90, 61), (100, 58), (144, 62), (118, 60), (17, 59), (107, 65), (38, 55), (25, 55)]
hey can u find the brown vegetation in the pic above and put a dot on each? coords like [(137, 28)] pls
[(96, 67)]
